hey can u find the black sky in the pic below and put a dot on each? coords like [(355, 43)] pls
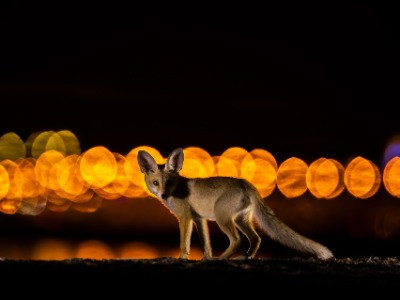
[(298, 80)]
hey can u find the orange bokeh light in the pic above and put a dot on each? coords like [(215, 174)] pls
[(138, 250), (69, 178), (132, 169), (324, 178), (230, 162), (9, 206), (62, 177), (95, 250), (362, 178), (197, 163), (391, 177), (89, 206), (45, 170), (52, 250), (291, 177), (15, 179), (259, 168), (98, 166), (29, 185), (4, 182)]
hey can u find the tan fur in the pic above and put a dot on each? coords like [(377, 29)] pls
[(233, 203)]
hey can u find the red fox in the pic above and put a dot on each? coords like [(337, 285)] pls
[(232, 202)]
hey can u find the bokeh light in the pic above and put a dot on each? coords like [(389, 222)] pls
[(94, 249), (98, 166), (69, 178), (392, 149), (138, 250), (46, 170), (4, 182), (132, 169), (47, 140), (324, 178), (259, 167), (362, 178), (291, 177), (57, 176), (391, 176), (52, 249), (230, 162), (11, 146), (198, 163)]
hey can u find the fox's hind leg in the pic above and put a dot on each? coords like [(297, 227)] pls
[(227, 207), (227, 225), (245, 224)]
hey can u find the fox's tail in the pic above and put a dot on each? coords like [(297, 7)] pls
[(280, 232)]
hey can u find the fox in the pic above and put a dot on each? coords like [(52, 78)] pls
[(234, 203)]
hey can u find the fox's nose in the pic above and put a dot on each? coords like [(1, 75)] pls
[(164, 196)]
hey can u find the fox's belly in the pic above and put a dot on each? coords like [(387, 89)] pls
[(203, 207)]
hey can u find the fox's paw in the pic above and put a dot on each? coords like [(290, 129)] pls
[(208, 258), (243, 257)]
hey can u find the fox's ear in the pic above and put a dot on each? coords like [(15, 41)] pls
[(175, 161), (146, 162)]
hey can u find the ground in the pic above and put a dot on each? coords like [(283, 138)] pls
[(272, 275)]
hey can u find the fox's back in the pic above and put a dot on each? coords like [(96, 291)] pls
[(204, 192)]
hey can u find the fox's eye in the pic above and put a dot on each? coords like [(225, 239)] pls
[(155, 182)]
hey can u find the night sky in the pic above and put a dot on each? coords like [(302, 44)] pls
[(297, 80)]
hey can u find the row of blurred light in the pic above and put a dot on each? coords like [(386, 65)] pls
[(56, 249), (56, 175)]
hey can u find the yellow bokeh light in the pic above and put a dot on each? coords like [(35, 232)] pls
[(11, 147), (45, 141), (98, 166), (391, 177), (55, 142), (71, 142), (132, 169), (362, 178), (291, 177)]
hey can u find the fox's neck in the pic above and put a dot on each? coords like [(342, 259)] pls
[(178, 187)]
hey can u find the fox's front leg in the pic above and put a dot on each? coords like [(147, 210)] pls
[(202, 229), (185, 228)]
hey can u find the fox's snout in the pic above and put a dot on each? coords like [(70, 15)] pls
[(164, 196)]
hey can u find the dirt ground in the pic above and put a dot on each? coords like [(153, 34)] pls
[(170, 276)]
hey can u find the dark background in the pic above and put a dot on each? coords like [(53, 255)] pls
[(306, 80)]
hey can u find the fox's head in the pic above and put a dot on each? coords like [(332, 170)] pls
[(161, 180)]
